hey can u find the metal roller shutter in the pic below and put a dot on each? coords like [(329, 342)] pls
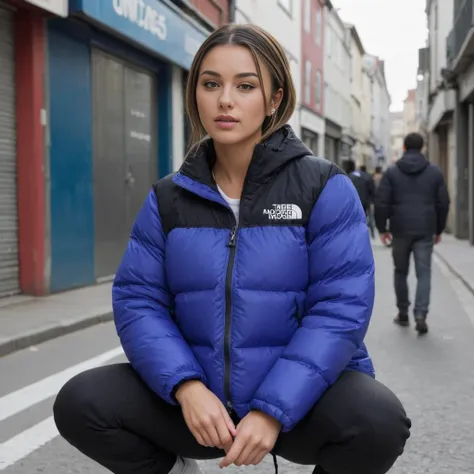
[(9, 272)]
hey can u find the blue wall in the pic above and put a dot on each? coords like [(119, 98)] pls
[(71, 151), (71, 188)]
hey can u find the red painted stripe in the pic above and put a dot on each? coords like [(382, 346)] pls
[(30, 46)]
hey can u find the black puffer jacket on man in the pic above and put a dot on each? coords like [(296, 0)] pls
[(412, 197)]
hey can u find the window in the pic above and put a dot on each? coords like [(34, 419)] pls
[(318, 27), (286, 5), (307, 16), (307, 83), (317, 86), (311, 140)]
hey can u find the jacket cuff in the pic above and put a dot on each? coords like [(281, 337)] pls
[(274, 412), (178, 380)]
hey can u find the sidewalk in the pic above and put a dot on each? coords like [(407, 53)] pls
[(458, 256), (26, 321)]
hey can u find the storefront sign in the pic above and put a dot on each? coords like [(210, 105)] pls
[(58, 7), (149, 22)]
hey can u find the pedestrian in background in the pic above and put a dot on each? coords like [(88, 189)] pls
[(411, 209), (362, 181), (243, 298), (377, 177), (371, 186)]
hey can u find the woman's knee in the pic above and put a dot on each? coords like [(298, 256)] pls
[(383, 432), (80, 402)]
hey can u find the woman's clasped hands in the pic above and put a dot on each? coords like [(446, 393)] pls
[(209, 422)]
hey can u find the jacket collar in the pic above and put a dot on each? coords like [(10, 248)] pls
[(268, 158)]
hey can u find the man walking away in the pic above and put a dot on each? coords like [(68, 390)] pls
[(413, 198), (363, 186)]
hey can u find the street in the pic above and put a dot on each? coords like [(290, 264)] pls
[(433, 376)]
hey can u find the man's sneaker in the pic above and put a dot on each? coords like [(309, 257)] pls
[(421, 326), (402, 320), (185, 466)]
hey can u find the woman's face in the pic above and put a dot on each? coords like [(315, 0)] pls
[(229, 96)]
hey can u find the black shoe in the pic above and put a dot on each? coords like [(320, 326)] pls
[(421, 326), (402, 320)]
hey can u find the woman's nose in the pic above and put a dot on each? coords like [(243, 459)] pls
[(226, 100)]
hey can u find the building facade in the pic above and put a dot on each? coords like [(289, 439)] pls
[(357, 95), (91, 114), (284, 24), (440, 97), (459, 76), (22, 121), (337, 90), (366, 117), (410, 123), (380, 105), (397, 136), (422, 92), (312, 75)]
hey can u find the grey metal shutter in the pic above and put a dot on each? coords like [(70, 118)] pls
[(9, 272)]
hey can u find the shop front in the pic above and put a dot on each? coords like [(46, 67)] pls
[(111, 118), (21, 153), (9, 261), (332, 142), (312, 131)]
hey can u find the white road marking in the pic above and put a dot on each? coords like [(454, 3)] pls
[(23, 444), (20, 400), (466, 298)]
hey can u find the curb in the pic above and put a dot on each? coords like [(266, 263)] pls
[(61, 328), (455, 272)]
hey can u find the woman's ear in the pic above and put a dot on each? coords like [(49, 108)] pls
[(277, 97)]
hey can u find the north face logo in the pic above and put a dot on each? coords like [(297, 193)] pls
[(284, 212)]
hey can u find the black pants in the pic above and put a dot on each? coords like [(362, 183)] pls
[(108, 413)]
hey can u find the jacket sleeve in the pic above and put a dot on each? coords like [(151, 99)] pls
[(141, 303), (383, 203), (339, 304), (442, 205)]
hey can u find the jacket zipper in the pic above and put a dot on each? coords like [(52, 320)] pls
[(232, 244)]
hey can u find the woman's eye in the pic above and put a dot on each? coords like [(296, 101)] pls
[(210, 84), (246, 87)]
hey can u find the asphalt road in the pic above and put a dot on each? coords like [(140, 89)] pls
[(433, 376)]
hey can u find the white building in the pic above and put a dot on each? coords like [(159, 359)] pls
[(337, 89), (357, 129), (380, 110), (312, 63), (410, 122), (282, 19), (366, 119), (397, 135), (440, 126), (422, 92)]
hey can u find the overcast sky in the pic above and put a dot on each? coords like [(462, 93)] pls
[(392, 30)]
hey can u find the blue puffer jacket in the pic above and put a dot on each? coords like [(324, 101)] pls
[(266, 313)]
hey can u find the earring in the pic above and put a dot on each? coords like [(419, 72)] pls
[(272, 111)]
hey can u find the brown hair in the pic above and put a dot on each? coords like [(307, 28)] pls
[(263, 47)]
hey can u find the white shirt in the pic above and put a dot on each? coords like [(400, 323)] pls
[(234, 204)]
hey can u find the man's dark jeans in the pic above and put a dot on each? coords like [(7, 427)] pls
[(422, 248)]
